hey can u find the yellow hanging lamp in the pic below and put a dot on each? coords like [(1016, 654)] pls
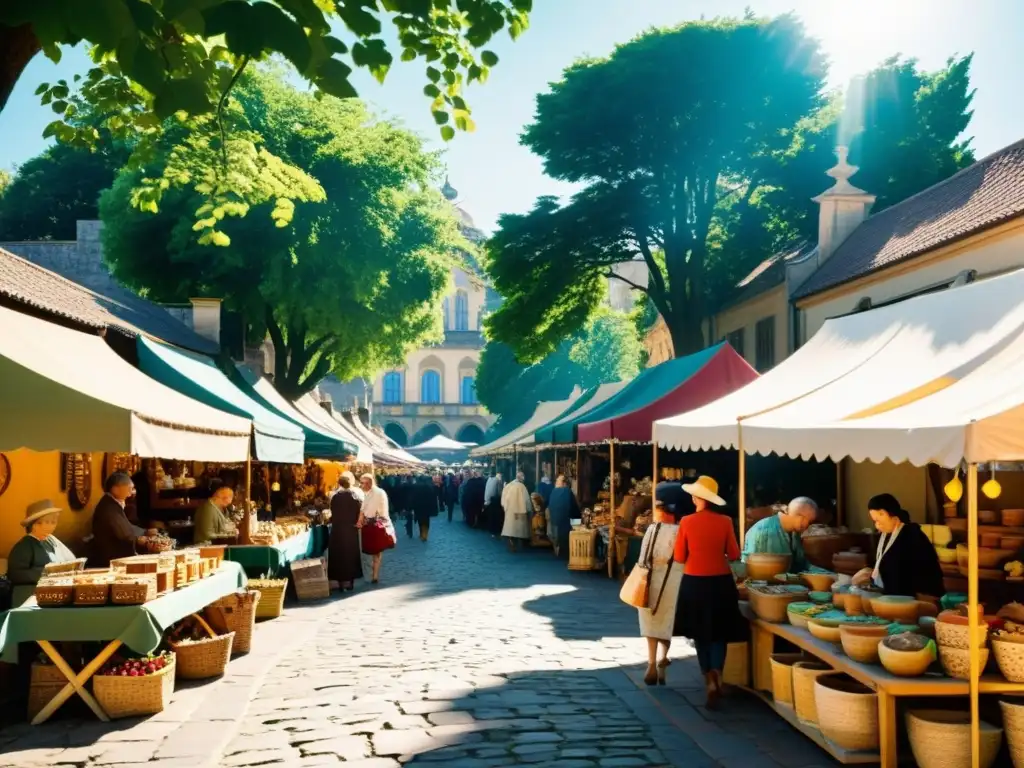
[(954, 489), (992, 488)]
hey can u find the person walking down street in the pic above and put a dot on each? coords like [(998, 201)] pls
[(562, 508), (544, 488), (424, 503), (516, 504), (451, 494), (378, 530), (404, 509), (473, 499), (492, 503), (344, 562), (657, 619), (707, 611)]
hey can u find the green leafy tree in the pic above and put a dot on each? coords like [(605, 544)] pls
[(349, 283), (607, 348), (55, 189), (683, 115), (5, 182), (905, 129), (157, 62)]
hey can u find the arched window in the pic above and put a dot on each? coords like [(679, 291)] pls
[(461, 311), (446, 314), (392, 388), (469, 390), (430, 388), (397, 433)]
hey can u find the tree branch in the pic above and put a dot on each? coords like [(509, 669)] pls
[(322, 367), (315, 347), (277, 339), (612, 275), (18, 46)]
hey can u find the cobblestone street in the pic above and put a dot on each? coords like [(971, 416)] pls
[(465, 656)]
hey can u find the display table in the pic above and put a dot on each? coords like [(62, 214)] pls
[(887, 686), (274, 561), (139, 627)]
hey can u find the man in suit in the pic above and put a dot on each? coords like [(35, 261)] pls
[(114, 536)]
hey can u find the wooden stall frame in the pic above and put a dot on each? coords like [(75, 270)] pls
[(654, 477), (611, 523), (741, 492), (972, 607), (76, 681)]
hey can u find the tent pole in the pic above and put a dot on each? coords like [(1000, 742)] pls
[(654, 480), (247, 512), (840, 493), (536, 469), (972, 607), (742, 493), (576, 480), (554, 466), (611, 524)]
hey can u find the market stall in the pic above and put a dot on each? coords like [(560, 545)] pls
[(311, 409), (937, 381), (283, 542), (89, 617)]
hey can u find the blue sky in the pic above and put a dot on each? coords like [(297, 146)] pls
[(494, 174)]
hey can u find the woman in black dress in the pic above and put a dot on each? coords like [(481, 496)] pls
[(424, 504), (345, 561)]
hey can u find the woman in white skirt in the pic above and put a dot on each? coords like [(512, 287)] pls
[(656, 621)]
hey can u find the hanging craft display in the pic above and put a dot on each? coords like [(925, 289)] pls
[(121, 462), (76, 478), (5, 473)]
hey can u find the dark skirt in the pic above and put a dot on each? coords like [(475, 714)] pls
[(344, 560), (708, 610)]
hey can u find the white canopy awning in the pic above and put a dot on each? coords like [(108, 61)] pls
[(441, 443), (838, 348), (973, 410), (545, 412), (604, 392), (64, 390)]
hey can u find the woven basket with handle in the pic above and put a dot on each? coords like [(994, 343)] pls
[(235, 613), (201, 659)]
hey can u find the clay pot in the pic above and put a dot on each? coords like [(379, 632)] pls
[(988, 517), (1013, 518), (905, 663), (765, 567), (1012, 542), (895, 608), (860, 643), (818, 582), (849, 562), (988, 557)]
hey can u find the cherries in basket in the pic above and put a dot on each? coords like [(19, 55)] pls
[(140, 667)]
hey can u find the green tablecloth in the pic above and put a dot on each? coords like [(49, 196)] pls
[(140, 627), (275, 561)]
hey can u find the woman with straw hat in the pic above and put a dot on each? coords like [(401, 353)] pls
[(707, 611), (36, 549)]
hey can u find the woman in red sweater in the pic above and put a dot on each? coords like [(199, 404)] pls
[(707, 611)]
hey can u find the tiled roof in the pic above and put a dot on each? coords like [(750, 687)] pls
[(768, 274), (980, 196), (23, 282)]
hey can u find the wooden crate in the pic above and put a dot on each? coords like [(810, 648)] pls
[(583, 550), (310, 579)]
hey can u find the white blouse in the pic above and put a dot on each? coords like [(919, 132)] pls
[(376, 504)]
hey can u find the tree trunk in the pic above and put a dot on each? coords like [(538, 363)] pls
[(686, 332), (18, 45)]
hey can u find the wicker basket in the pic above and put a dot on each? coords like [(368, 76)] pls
[(310, 579), (271, 602), (782, 676), (71, 566), (847, 712), (134, 590), (201, 659), (135, 696), (949, 635), (92, 594), (235, 613), (804, 675), (583, 550), (54, 592), (46, 682), (957, 662), (942, 739), (1013, 725), (737, 665), (1010, 658)]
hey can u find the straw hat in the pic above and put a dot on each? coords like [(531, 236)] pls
[(705, 488), (38, 510)]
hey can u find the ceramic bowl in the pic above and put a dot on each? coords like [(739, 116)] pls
[(821, 597), (819, 582), (826, 630), (894, 608), (860, 642), (763, 566), (905, 663)]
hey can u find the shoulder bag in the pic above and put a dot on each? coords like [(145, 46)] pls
[(636, 590)]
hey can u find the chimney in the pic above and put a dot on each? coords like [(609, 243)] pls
[(206, 318), (842, 208)]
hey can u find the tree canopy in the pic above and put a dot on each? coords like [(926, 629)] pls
[(349, 283), (607, 348), (701, 158)]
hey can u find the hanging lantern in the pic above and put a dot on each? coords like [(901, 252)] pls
[(992, 488), (954, 489), (275, 486)]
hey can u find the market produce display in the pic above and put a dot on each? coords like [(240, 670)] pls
[(138, 666)]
